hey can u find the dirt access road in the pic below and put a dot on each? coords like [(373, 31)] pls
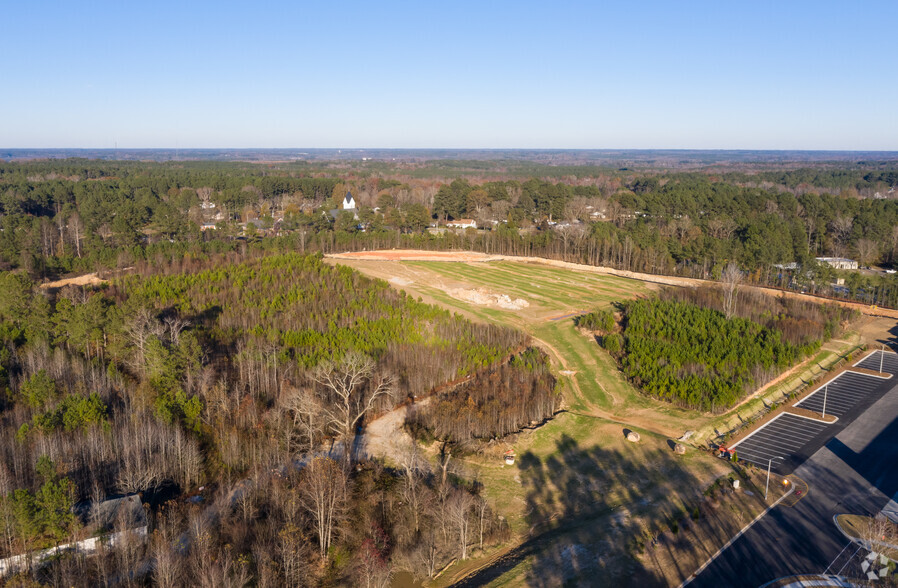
[(472, 256)]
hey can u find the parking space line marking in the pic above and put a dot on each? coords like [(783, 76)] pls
[(791, 431), (777, 443), (833, 401), (835, 398), (766, 447), (798, 431), (771, 448), (889, 361), (831, 410), (784, 439), (774, 450), (766, 430), (761, 451), (802, 425), (773, 420)]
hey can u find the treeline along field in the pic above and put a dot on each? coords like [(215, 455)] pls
[(497, 401), (78, 216)]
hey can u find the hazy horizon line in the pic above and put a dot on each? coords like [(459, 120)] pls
[(238, 148)]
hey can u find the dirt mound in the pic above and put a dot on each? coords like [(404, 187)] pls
[(483, 297)]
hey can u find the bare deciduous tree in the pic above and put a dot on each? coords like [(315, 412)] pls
[(867, 251), (731, 278), (483, 511), (323, 494), (877, 530), (722, 228), (167, 564), (76, 227), (577, 209), (304, 411), (445, 457), (459, 508), (352, 389), (570, 233), (841, 227), (416, 468), (175, 325), (141, 328), (150, 453), (293, 556)]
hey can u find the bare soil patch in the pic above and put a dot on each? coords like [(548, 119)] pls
[(91, 279), (385, 437), (877, 330), (483, 297), (417, 255)]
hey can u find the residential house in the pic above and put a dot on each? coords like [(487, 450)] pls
[(841, 263), (462, 223)]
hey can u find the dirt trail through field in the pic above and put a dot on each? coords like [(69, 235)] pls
[(565, 369), (471, 256)]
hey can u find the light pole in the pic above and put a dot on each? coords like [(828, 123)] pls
[(767, 487), (882, 355), (825, 388)]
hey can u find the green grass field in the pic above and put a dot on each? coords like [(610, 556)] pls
[(591, 382)]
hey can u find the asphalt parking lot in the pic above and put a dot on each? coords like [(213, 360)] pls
[(795, 438), (853, 473), (841, 394), (783, 437), (888, 361)]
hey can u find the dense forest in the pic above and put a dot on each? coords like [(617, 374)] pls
[(58, 217), (682, 347), (228, 393)]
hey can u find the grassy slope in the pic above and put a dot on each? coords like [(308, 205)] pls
[(576, 474), (601, 472), (596, 387)]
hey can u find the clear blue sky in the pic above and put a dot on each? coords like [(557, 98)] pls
[(748, 74)]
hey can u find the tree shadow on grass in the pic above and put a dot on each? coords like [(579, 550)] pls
[(581, 504)]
